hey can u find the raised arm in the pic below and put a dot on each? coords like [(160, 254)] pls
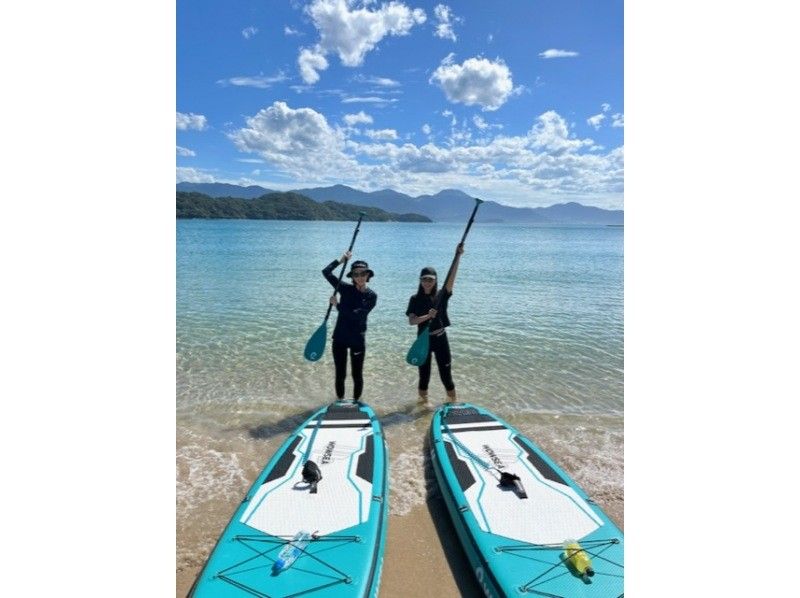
[(448, 284), (327, 271)]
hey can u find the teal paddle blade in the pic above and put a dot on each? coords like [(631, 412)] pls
[(418, 352), (315, 346)]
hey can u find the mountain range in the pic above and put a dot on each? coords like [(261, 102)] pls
[(449, 205)]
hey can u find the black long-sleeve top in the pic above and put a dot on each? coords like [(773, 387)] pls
[(420, 304), (353, 308)]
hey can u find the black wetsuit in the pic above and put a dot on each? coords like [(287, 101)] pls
[(439, 346), (350, 330)]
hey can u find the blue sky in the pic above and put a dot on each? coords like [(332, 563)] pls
[(520, 102)]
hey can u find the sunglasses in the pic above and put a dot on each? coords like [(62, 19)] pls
[(428, 278), (359, 274)]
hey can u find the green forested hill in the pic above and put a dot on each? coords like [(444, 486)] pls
[(280, 206)]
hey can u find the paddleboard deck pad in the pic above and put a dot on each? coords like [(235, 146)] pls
[(513, 530), (347, 515)]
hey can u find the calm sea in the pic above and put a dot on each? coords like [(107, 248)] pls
[(536, 336)]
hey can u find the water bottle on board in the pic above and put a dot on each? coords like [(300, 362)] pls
[(577, 557), (292, 550)]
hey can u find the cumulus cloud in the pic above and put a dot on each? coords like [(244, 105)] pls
[(480, 123), (191, 121), (381, 134), (310, 61), (249, 32), (182, 151), (548, 161), (605, 106), (192, 175), (290, 31), (299, 141), (595, 120), (553, 53), (351, 34), (551, 132), (618, 120), (360, 117), (547, 158), (475, 81), (444, 28)]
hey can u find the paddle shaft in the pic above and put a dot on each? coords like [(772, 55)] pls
[(440, 294), (344, 264)]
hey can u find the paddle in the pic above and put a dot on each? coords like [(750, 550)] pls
[(418, 352), (316, 344)]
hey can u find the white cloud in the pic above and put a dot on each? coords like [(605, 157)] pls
[(605, 106), (362, 117), (182, 151), (489, 38), (192, 175), (381, 81), (259, 81), (618, 120), (553, 53), (545, 165), (249, 32), (298, 141), (480, 123), (351, 34), (310, 61), (547, 159), (368, 100), (447, 113), (381, 134), (552, 133), (595, 120), (191, 121), (475, 81), (290, 31), (444, 28)]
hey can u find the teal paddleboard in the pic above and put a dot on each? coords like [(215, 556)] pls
[(343, 508), (514, 509)]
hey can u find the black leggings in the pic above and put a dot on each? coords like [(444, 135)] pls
[(356, 367), (440, 347)]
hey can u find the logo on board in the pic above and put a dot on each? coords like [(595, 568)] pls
[(493, 456), (328, 454)]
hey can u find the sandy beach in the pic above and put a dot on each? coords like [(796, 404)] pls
[(423, 555)]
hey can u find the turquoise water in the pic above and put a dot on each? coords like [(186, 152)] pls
[(537, 313), (536, 336)]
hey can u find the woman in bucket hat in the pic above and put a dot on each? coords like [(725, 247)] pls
[(420, 310), (355, 303)]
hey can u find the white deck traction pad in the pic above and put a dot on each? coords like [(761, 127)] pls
[(284, 505), (552, 512)]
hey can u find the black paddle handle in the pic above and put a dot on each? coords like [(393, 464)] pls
[(344, 263), (440, 294)]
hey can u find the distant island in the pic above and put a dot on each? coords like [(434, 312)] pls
[(279, 206), (449, 205)]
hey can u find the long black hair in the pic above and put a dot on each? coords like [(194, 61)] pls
[(434, 289)]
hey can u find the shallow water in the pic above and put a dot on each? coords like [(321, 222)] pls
[(536, 336)]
